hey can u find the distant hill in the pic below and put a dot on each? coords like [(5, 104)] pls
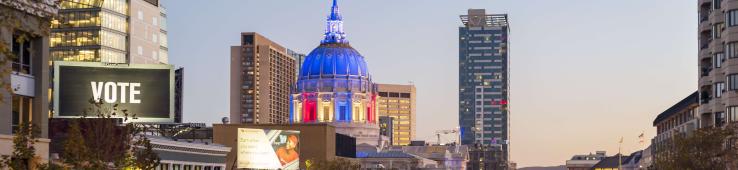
[(560, 167)]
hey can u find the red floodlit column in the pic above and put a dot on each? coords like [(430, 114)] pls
[(309, 108), (370, 110)]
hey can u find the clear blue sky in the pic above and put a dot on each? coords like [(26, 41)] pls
[(583, 72)]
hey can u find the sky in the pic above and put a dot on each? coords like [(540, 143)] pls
[(583, 73)]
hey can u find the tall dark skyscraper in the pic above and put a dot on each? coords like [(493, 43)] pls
[(484, 79)]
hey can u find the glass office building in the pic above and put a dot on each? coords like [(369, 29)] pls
[(484, 79), (110, 31)]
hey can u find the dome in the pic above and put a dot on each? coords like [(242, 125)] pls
[(334, 66), (333, 61)]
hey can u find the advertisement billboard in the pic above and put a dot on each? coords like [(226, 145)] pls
[(144, 90), (268, 149)]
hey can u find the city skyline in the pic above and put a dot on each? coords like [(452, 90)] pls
[(539, 85)]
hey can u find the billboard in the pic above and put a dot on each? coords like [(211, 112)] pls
[(268, 149), (145, 90)]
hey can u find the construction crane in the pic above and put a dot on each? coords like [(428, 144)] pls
[(446, 132)]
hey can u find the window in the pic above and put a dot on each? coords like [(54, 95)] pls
[(140, 15), (716, 4), (731, 50), (719, 59), (732, 113), (405, 95), (717, 30), (731, 17), (719, 89), (22, 111), (140, 50), (719, 119), (732, 82), (23, 52)]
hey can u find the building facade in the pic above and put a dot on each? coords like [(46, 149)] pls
[(682, 117), (335, 87), (178, 94), (110, 31), (177, 155), (484, 79), (262, 73), (386, 128), (22, 33), (718, 73), (398, 101), (486, 157), (585, 162), (299, 59)]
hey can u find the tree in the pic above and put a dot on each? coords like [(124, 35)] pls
[(24, 152), (105, 142), (706, 148), (75, 152)]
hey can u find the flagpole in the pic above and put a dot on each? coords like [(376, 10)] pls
[(620, 155)]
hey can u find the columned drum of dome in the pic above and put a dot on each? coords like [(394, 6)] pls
[(334, 85)]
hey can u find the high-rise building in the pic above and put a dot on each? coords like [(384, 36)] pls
[(24, 97), (110, 31), (484, 79), (299, 59), (335, 87), (262, 73), (398, 101), (178, 94), (386, 126), (718, 77)]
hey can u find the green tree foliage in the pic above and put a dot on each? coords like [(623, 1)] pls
[(703, 149), (24, 152), (104, 142), (75, 152)]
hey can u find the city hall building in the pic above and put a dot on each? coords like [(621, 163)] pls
[(335, 87)]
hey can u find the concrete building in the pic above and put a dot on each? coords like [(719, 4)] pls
[(486, 157), (398, 102), (718, 72), (682, 117), (447, 157), (386, 127), (585, 162), (390, 160), (189, 155), (335, 87), (110, 31), (28, 80), (621, 162), (262, 73), (484, 79)]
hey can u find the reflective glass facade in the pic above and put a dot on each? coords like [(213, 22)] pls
[(484, 79), (99, 31)]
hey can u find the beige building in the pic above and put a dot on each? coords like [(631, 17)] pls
[(29, 71), (262, 73), (398, 101), (110, 31)]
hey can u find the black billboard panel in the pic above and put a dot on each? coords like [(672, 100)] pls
[(144, 91)]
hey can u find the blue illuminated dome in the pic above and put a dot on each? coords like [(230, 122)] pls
[(334, 66), (334, 85)]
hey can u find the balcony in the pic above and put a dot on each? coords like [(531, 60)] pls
[(704, 17), (705, 71)]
